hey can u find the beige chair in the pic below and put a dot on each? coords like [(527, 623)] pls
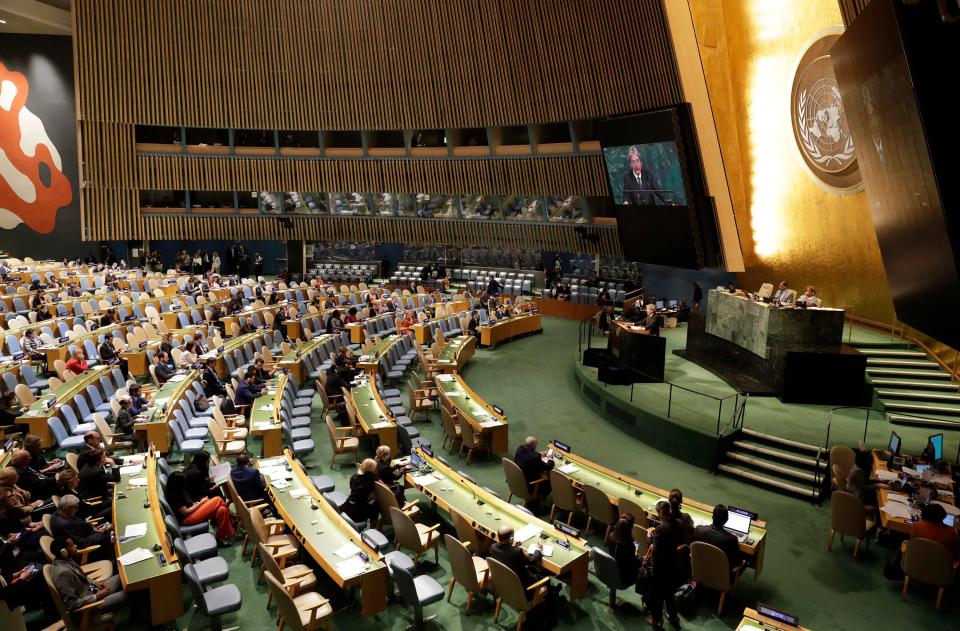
[(71, 458), (224, 444), (599, 508), (928, 562), (387, 500), (269, 534), (107, 434), (342, 441), (243, 510), (467, 534), (841, 461), (509, 589), (12, 620), (564, 494), (295, 578), (468, 570), (451, 428), (766, 290), (517, 482), (95, 570), (711, 568), (90, 618), (420, 400), (472, 441), (626, 506), (417, 538), (153, 375), (848, 517), (300, 611), (24, 394)]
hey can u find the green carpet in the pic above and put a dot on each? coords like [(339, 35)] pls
[(532, 380)]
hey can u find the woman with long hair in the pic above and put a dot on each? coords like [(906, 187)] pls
[(189, 512)]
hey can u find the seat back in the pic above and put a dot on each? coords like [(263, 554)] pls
[(287, 608), (606, 569), (405, 585), (405, 530), (841, 461), (563, 492), (461, 564), (928, 561), (57, 600), (710, 566), (508, 585), (846, 514), (626, 506), (196, 588), (465, 531), (23, 392), (516, 481), (385, 500), (599, 506), (468, 434)]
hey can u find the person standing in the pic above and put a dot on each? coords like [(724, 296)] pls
[(215, 263), (257, 265), (666, 567), (697, 295)]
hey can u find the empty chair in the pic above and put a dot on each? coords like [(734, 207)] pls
[(64, 440), (607, 570), (564, 495), (201, 545), (294, 578), (929, 562), (711, 569), (599, 508), (415, 537), (471, 440), (215, 602), (465, 568), (509, 589), (210, 570), (342, 441), (299, 611), (847, 516), (184, 445), (416, 592), (30, 378)]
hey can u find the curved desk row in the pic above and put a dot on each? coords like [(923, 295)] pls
[(367, 411), (456, 353), (40, 410), (503, 330), (470, 408)]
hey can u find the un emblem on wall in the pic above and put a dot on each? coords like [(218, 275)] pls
[(819, 122)]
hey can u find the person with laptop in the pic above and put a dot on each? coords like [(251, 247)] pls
[(724, 533), (931, 526)]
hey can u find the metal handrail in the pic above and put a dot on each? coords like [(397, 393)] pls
[(902, 334)]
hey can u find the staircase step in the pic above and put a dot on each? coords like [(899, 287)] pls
[(902, 419), (903, 363), (919, 408), (897, 353), (783, 441), (919, 395), (925, 384), (776, 453), (780, 484), (906, 373), (771, 466)]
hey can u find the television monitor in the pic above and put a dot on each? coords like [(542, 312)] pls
[(937, 441), (674, 303), (659, 305), (893, 445)]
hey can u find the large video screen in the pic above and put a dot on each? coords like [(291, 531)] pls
[(643, 164)]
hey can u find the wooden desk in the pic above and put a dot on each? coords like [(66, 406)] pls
[(228, 347), (162, 581), (137, 362), (322, 531), (294, 360), (60, 350), (369, 362), (422, 332), (154, 426), (474, 410), (618, 486), (639, 350), (493, 334), (487, 513), (265, 418), (456, 353), (753, 621), (294, 329), (372, 415), (899, 524), (35, 418)]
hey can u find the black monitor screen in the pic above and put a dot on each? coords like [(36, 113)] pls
[(894, 445)]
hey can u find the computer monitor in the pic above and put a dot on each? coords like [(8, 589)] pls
[(937, 441), (415, 461), (949, 520), (673, 303), (738, 520), (659, 304), (893, 445)]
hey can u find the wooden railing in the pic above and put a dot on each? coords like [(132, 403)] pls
[(904, 334)]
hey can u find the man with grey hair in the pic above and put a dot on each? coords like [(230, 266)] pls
[(75, 587), (535, 466), (65, 523), (639, 186)]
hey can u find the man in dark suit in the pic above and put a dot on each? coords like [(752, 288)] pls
[(639, 186), (39, 486), (91, 444), (65, 523), (515, 558), (248, 481), (715, 535), (163, 369), (533, 466), (651, 324), (213, 385)]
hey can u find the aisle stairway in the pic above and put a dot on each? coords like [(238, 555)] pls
[(910, 384), (774, 462)]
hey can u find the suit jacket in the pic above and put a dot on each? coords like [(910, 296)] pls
[(786, 296), (77, 529), (652, 324), (531, 464), (214, 386), (249, 483), (246, 394), (163, 372), (517, 560), (642, 193), (719, 537), (123, 424), (94, 481), (39, 486), (74, 587)]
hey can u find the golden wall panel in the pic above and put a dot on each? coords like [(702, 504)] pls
[(790, 228)]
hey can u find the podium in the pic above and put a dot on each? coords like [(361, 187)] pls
[(637, 350)]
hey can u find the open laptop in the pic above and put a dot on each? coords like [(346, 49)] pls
[(738, 523)]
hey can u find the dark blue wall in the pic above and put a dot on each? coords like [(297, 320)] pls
[(270, 250), (674, 282)]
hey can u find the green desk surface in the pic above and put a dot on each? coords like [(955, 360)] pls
[(449, 353), (462, 496), (265, 406), (297, 355), (465, 400), (131, 510), (168, 394), (369, 410), (322, 531), (92, 335), (66, 391), (382, 346)]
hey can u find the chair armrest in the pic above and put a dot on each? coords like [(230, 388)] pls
[(431, 528), (347, 429), (903, 546), (301, 574), (275, 526), (538, 481), (84, 552), (410, 504), (540, 583)]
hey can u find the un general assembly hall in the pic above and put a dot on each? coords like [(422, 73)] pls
[(450, 315)]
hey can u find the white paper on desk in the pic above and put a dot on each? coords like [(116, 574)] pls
[(547, 550), (131, 469), (135, 482), (279, 484), (898, 497), (266, 408), (445, 377), (527, 532), (885, 476), (942, 479), (265, 426), (913, 473), (950, 508), (134, 556), (945, 492), (134, 459), (177, 378), (220, 472), (277, 476), (568, 468), (350, 567), (490, 424), (298, 493), (347, 550), (380, 425), (455, 393), (132, 531), (896, 509), (425, 480), (702, 521)]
